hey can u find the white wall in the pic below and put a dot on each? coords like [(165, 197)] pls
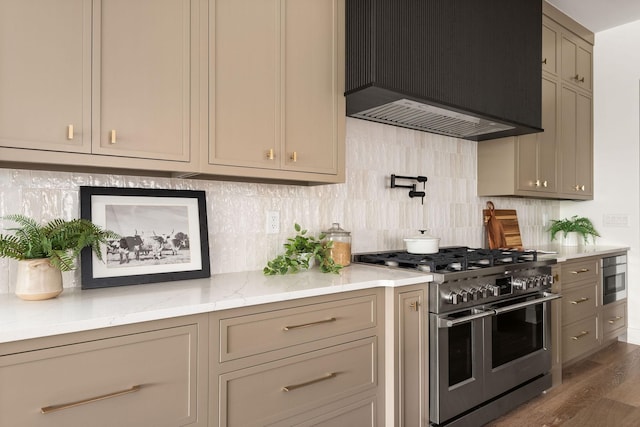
[(377, 216), (616, 151)]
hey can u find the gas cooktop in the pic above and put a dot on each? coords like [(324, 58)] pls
[(449, 259)]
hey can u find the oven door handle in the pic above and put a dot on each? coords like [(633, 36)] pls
[(444, 322), (548, 296)]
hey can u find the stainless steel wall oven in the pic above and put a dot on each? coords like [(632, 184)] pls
[(614, 278)]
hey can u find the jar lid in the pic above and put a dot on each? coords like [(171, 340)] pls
[(336, 229)]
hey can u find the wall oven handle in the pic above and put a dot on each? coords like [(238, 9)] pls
[(548, 296), (444, 322)]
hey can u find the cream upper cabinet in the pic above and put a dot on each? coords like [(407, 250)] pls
[(577, 61), (576, 147), (45, 74), (556, 163), (276, 89), (143, 88)]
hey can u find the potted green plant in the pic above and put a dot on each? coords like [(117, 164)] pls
[(301, 251), (45, 250), (580, 226)]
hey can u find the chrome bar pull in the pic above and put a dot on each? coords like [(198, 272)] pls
[(112, 136), (270, 154), (614, 320), (70, 132), (582, 270), (294, 156)]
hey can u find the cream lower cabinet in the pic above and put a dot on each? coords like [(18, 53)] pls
[(314, 361), (276, 88), (587, 324), (152, 374), (412, 357)]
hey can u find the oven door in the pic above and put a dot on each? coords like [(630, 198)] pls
[(614, 283), (455, 360), (518, 342)]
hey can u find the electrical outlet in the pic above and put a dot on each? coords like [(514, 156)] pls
[(616, 220), (273, 222)]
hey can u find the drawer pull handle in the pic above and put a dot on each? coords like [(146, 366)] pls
[(53, 408), (112, 136), (317, 380), (580, 301), (580, 335), (582, 270), (306, 325), (614, 320), (70, 132)]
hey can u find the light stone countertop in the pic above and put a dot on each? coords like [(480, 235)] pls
[(78, 310), (566, 253)]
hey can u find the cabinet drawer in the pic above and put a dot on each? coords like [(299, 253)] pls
[(579, 338), (274, 391), (614, 319), (576, 271), (579, 303), (145, 379), (253, 334), (359, 414)]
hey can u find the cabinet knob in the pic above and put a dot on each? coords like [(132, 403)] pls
[(544, 61), (112, 136), (415, 305), (537, 183), (270, 154), (70, 132), (578, 78), (582, 188), (294, 156), (545, 184)]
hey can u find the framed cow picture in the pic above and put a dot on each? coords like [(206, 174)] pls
[(163, 236)]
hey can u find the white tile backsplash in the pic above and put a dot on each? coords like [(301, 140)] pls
[(378, 217)]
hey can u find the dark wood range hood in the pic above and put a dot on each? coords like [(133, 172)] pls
[(463, 68)]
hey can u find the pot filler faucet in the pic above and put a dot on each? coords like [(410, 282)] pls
[(412, 188)]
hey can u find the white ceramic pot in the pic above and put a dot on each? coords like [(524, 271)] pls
[(422, 244), (571, 239), (37, 279)]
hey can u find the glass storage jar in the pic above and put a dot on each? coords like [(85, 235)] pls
[(341, 248)]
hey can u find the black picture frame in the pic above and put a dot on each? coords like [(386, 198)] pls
[(146, 252)]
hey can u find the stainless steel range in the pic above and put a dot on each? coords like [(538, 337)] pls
[(489, 329)]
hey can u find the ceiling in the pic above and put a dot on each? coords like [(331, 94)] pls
[(600, 15)]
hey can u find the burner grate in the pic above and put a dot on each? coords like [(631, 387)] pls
[(449, 259)]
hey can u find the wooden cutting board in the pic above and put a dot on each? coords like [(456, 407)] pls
[(509, 220)]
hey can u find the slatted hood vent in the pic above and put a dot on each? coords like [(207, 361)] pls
[(428, 118), (464, 68)]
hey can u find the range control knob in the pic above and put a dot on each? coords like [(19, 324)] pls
[(454, 298), (465, 296), (474, 294), (484, 292), (519, 284)]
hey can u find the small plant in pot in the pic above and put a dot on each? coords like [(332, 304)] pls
[(45, 250), (301, 251), (580, 225)]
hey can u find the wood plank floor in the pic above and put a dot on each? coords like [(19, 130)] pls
[(600, 391)]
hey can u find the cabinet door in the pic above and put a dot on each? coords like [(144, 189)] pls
[(549, 46), (313, 92), (142, 78), (144, 379), (245, 83), (413, 377), (45, 74), (576, 144), (537, 152), (576, 62)]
